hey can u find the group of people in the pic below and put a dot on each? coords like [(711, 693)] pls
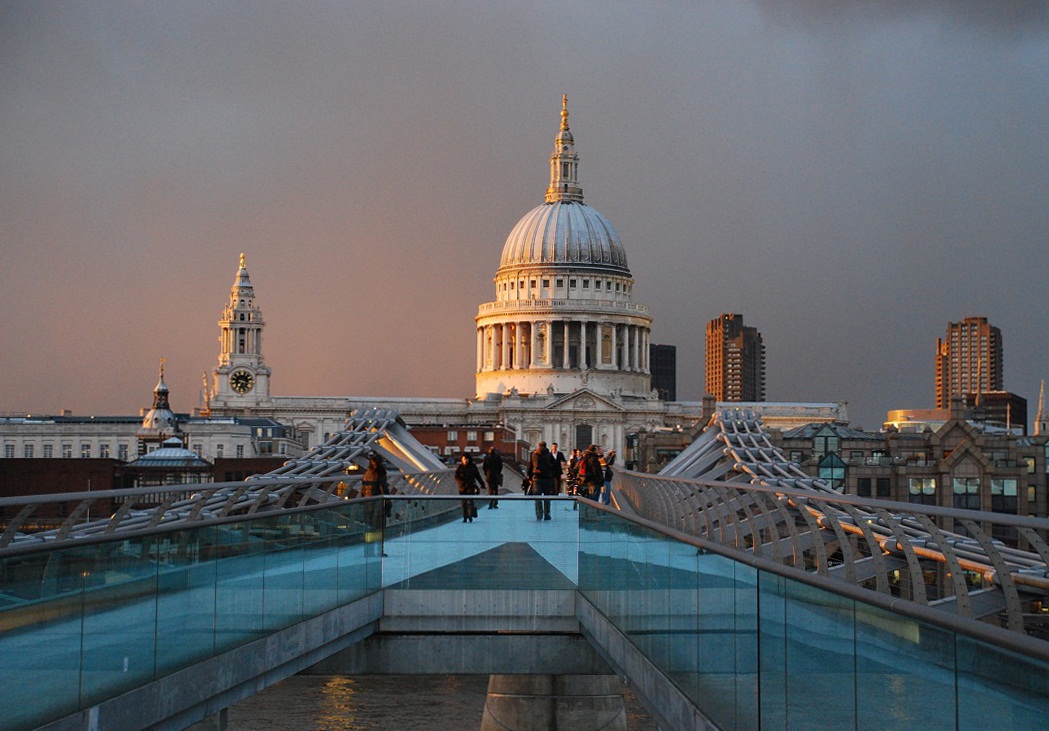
[(470, 482), (589, 473)]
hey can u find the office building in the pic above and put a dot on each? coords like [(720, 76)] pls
[(735, 360), (968, 360)]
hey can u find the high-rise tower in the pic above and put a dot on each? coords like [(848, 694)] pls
[(735, 360), (241, 379), (968, 360)]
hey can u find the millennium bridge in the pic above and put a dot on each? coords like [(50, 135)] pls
[(730, 591)]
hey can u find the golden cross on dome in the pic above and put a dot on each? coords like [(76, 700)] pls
[(564, 111), (242, 260)]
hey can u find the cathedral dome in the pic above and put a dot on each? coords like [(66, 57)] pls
[(564, 233)]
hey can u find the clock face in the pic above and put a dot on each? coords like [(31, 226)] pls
[(241, 381)]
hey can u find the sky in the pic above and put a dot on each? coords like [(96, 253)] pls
[(849, 175)]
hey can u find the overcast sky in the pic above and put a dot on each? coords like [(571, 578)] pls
[(850, 176)]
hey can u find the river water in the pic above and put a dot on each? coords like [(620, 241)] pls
[(380, 703)]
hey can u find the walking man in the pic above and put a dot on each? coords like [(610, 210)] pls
[(542, 471), (492, 466)]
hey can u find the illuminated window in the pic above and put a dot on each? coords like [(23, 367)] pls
[(922, 490)]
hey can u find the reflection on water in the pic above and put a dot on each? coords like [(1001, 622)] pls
[(378, 703)]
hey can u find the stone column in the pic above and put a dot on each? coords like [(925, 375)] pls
[(637, 332), (544, 702), (615, 347), (480, 349), (531, 349), (505, 350), (582, 345), (564, 358)]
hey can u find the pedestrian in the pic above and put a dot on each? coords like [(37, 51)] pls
[(559, 463), (493, 475), (607, 461), (470, 483), (375, 483), (542, 473), (591, 473), (573, 469)]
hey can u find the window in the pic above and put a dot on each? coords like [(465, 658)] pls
[(863, 486), (796, 455), (453, 436), (85, 451), (832, 469), (122, 452), (9, 451), (560, 283), (197, 449), (856, 457), (489, 436), (532, 284), (240, 451), (586, 284), (922, 490), (1029, 461), (103, 451), (27, 451), (546, 282), (1003, 495), (967, 493), (471, 436), (1032, 493), (608, 286), (826, 444), (219, 449), (571, 284), (49, 451), (67, 451), (884, 487)]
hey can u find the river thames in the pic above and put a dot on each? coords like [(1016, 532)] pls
[(380, 703)]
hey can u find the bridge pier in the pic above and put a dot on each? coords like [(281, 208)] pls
[(215, 722), (551, 702)]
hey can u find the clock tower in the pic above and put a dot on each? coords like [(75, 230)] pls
[(242, 380)]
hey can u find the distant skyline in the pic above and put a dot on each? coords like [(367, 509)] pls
[(850, 176)]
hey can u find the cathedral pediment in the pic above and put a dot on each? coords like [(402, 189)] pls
[(584, 400)]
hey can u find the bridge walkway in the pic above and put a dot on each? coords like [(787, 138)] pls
[(161, 629)]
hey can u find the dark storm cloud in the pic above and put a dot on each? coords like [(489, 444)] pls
[(850, 176)]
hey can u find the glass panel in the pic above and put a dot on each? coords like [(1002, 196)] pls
[(999, 689), (894, 655), (820, 653), (185, 599), (118, 644)]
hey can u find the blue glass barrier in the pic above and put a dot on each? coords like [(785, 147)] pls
[(755, 649), (751, 649)]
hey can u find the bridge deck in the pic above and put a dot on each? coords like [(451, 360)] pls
[(731, 642)]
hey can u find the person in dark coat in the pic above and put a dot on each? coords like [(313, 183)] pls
[(375, 483), (560, 461), (493, 475), (542, 471), (469, 481), (591, 472)]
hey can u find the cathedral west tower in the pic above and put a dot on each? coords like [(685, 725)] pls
[(563, 318), (242, 379)]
